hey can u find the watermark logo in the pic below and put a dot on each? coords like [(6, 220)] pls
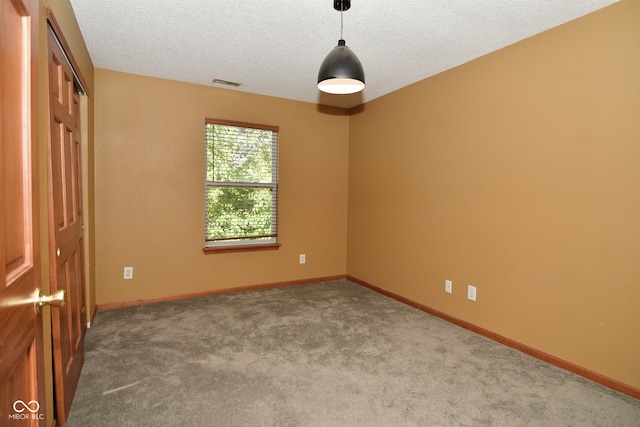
[(26, 411), (20, 406)]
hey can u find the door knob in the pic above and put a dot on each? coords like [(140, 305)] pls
[(57, 299), (58, 252)]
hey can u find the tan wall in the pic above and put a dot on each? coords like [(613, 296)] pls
[(149, 160), (518, 173)]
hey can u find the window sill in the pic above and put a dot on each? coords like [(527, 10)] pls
[(240, 248)]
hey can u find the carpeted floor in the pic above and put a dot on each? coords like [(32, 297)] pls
[(323, 354)]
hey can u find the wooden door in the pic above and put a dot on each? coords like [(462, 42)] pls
[(22, 396), (69, 323)]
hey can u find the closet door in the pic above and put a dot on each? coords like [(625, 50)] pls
[(68, 323)]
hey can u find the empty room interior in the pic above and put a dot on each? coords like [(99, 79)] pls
[(516, 172)]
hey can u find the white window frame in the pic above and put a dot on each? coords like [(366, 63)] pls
[(241, 243)]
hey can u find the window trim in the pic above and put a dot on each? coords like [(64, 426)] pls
[(245, 246)]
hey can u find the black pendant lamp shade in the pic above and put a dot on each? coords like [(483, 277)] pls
[(341, 71)]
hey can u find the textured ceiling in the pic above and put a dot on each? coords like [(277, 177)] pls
[(276, 47)]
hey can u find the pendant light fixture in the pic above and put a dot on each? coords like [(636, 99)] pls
[(341, 72)]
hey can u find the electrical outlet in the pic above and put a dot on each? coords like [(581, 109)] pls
[(303, 258), (471, 293), (128, 273), (448, 286)]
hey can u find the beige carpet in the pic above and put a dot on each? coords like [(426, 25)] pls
[(323, 354)]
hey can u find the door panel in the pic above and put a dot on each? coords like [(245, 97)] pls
[(66, 234), (21, 352)]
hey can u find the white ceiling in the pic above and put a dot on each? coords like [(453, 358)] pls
[(275, 47)]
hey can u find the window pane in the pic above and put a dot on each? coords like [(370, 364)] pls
[(239, 154), (238, 213)]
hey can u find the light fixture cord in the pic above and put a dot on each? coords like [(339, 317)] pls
[(341, 20)]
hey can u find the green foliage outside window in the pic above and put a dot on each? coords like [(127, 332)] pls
[(241, 183)]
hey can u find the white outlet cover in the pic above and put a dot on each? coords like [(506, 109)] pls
[(303, 258), (448, 286), (128, 273), (471, 293)]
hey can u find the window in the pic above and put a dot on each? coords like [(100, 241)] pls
[(241, 189)]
